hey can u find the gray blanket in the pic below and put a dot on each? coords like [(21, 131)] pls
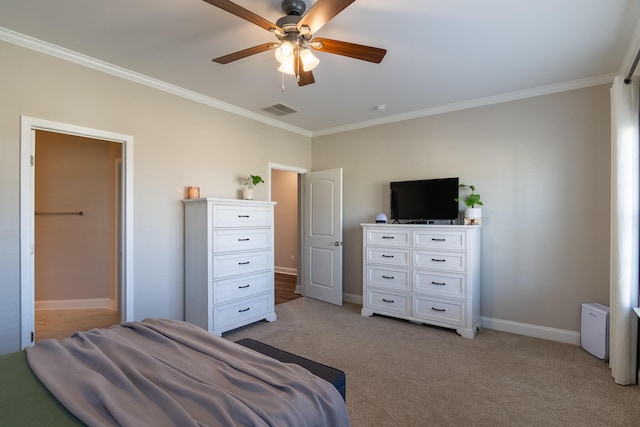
[(171, 373)]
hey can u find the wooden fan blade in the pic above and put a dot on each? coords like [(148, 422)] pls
[(352, 50), (305, 78), (321, 13), (244, 53), (243, 13)]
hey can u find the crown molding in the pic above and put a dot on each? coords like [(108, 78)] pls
[(481, 102), (96, 64)]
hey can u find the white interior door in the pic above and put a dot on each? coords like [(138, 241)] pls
[(322, 241)]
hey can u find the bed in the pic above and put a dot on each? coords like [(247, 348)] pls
[(161, 373)]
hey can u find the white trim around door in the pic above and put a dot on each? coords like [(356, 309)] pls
[(28, 128)]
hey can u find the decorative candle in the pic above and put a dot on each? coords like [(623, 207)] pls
[(193, 192)]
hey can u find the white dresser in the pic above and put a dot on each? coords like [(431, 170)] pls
[(423, 273), (228, 263)]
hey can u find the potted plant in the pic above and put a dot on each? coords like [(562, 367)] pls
[(471, 201), (251, 182)]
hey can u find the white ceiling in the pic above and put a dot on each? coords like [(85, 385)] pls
[(442, 54)]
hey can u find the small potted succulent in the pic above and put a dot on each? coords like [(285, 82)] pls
[(472, 201), (251, 182)]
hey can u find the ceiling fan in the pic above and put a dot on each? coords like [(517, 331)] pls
[(294, 32)]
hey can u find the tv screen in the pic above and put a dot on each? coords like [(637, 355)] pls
[(424, 200)]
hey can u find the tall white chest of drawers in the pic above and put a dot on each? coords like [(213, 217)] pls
[(423, 273), (228, 263)]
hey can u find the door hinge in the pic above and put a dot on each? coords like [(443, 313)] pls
[(33, 160), (32, 337)]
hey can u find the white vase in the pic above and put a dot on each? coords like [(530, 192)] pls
[(247, 193), (473, 213)]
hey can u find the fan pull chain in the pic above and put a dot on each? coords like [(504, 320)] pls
[(282, 86)]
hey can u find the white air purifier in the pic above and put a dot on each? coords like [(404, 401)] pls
[(594, 330)]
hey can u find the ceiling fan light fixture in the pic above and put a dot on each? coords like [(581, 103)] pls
[(284, 53), (309, 61), (287, 68), (294, 33)]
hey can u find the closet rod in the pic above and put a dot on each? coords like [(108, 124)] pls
[(633, 68), (60, 213)]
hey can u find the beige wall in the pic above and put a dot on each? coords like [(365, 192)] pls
[(74, 255), (541, 165), (284, 190), (177, 143), (542, 168)]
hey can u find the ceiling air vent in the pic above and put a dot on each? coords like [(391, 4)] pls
[(280, 110)]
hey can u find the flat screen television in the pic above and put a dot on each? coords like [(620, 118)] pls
[(424, 200)]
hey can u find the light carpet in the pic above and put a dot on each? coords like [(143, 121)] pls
[(404, 374)]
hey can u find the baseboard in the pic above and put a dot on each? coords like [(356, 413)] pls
[(352, 298), (286, 270), (535, 331), (76, 304)]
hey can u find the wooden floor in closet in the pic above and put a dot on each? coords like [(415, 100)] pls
[(62, 323), (285, 285)]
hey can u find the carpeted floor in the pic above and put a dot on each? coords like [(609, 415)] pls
[(403, 374)]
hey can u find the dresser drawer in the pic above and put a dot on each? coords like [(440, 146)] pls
[(391, 278), (442, 284), (226, 290), (226, 315), (388, 256), (241, 263), (234, 216), (451, 312), (385, 237), (225, 240), (434, 239), (389, 302), (446, 261)]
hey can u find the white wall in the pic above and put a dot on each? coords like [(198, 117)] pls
[(177, 143), (542, 168)]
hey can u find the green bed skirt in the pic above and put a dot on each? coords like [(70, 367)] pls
[(24, 401)]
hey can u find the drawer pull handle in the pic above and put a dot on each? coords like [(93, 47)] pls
[(243, 287), (388, 277), (438, 260), (441, 310), (243, 216), (242, 311), (439, 283), (387, 300), (387, 256), (243, 263), (438, 240), (388, 237), (243, 240)]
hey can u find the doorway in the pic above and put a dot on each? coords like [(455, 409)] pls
[(75, 235), (284, 185), (319, 231), (322, 235), (122, 274)]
